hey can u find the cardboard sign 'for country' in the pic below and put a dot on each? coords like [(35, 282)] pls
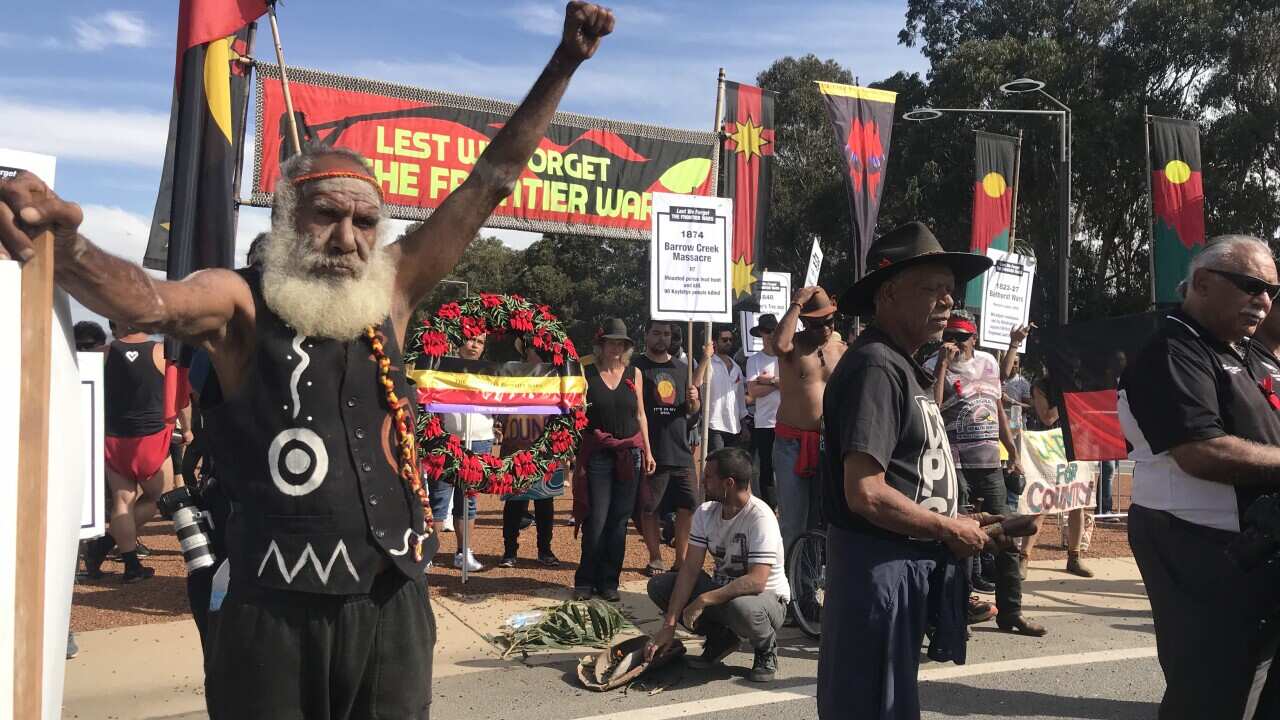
[(588, 175)]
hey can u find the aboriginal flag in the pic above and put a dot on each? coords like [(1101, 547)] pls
[(862, 120), (1177, 203), (194, 222), (747, 152), (994, 159), (1085, 361)]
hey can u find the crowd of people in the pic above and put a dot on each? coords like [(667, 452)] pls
[(902, 443)]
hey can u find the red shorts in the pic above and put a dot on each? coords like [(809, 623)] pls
[(137, 458)]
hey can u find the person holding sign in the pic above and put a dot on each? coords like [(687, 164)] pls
[(806, 359), (327, 613)]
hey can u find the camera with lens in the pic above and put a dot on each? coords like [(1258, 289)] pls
[(192, 524)]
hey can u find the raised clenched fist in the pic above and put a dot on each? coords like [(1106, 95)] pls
[(584, 25)]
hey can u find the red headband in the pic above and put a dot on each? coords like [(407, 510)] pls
[(329, 174), (962, 325)]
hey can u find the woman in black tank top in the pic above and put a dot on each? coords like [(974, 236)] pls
[(614, 458)]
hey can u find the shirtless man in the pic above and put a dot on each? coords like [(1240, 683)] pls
[(805, 362)]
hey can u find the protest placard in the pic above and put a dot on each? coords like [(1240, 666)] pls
[(775, 297), (689, 273), (1006, 298), (1054, 485)]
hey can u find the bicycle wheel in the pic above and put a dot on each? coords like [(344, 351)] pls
[(807, 575)]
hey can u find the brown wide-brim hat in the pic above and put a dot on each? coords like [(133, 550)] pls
[(614, 329), (768, 322), (899, 249), (819, 306)]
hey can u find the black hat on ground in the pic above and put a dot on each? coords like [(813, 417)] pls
[(614, 329), (903, 247), (767, 322)]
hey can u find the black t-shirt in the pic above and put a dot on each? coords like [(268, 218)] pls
[(879, 402), (612, 411), (665, 389), (1184, 386)]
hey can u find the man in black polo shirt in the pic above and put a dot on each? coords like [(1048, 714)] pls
[(1197, 413), (890, 491)]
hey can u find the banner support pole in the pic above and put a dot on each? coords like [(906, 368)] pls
[(715, 191), (1017, 177), (284, 80), (247, 62), (1151, 229)]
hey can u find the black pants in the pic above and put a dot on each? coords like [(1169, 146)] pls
[(279, 655), (513, 512), (1214, 651), (762, 448), (604, 531), (984, 487)]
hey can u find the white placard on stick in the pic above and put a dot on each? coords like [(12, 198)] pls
[(1006, 298), (42, 166), (815, 264), (93, 520), (775, 297), (690, 277)]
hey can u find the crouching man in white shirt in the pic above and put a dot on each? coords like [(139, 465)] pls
[(748, 596)]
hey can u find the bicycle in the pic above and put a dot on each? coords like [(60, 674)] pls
[(806, 571)]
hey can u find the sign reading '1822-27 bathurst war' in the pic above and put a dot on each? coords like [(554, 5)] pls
[(588, 175)]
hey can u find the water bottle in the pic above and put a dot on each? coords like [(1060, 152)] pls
[(521, 620)]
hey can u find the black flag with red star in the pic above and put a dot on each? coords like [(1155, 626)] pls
[(747, 159), (862, 119)]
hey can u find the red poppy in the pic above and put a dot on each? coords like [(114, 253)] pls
[(473, 327), (579, 419), (434, 343), (1268, 389), (630, 383), (490, 300), (449, 311)]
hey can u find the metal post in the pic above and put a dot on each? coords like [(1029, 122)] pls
[(1064, 230), (706, 400), (1017, 176), (284, 80), (247, 62), (1151, 223), (463, 540)]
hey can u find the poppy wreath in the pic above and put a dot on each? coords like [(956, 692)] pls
[(443, 453)]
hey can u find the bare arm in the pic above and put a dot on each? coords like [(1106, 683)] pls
[(1230, 460), (757, 389), (784, 336), (1047, 413), (869, 496), (1016, 336), (752, 583), (1006, 437), (643, 419), (427, 255)]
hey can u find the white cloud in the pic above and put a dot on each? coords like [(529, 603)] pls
[(116, 230), (94, 134), (114, 27), (539, 18)]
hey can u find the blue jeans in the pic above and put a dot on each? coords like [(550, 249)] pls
[(441, 491), (604, 530), (797, 496), (1108, 471)]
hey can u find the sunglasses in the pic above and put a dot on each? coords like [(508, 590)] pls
[(1248, 284), (957, 337)]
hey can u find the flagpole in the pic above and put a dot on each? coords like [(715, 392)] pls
[(715, 191), (1151, 230), (1017, 173), (245, 60), (284, 80)]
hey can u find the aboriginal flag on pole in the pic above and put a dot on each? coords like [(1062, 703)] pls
[(994, 160), (862, 120), (747, 129), (1177, 203), (194, 222)]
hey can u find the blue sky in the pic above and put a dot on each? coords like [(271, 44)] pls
[(90, 82)]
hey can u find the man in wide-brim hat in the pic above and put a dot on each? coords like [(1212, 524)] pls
[(890, 488)]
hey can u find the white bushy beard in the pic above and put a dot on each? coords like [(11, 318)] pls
[(318, 305)]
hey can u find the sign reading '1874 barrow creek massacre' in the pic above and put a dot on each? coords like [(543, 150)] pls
[(689, 273)]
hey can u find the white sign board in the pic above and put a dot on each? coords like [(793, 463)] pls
[(42, 166), (1006, 298), (690, 277), (93, 515), (775, 297), (1054, 484), (815, 265)]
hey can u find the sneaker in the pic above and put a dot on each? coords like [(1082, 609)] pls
[(72, 648), (980, 611), (654, 569), (137, 574), (473, 565), (982, 585), (143, 550), (447, 525), (611, 595), (582, 593), (720, 644), (507, 561), (548, 560), (765, 666), (95, 553)]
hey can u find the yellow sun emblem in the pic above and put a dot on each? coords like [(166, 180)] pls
[(748, 138), (744, 276)]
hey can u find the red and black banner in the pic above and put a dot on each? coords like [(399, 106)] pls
[(194, 222), (1085, 361), (994, 159), (747, 164), (587, 176), (1177, 203)]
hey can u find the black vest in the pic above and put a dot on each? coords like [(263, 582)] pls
[(306, 449)]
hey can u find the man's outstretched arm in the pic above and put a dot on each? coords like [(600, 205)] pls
[(428, 254)]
